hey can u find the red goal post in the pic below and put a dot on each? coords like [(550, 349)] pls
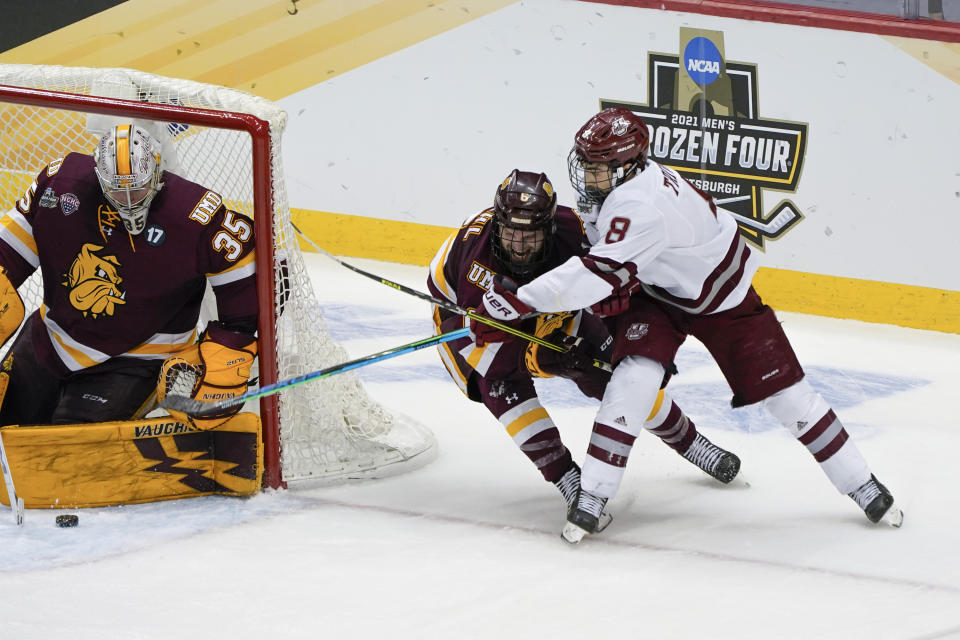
[(329, 432)]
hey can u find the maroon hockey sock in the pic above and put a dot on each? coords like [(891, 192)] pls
[(676, 430), (546, 450)]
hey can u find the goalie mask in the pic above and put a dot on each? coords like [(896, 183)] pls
[(127, 164), (524, 206), (607, 151)]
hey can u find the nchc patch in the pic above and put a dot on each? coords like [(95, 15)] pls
[(703, 115), (69, 203)]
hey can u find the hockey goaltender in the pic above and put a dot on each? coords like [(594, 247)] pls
[(125, 249)]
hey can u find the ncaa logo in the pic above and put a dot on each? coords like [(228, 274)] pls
[(702, 60)]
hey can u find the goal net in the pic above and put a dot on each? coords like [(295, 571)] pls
[(230, 142)]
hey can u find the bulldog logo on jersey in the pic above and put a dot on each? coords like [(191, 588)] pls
[(93, 281), (702, 112)]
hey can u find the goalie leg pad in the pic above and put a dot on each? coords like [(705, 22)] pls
[(113, 463)]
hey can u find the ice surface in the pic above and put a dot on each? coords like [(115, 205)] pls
[(468, 546)]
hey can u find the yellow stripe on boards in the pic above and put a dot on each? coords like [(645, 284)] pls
[(832, 296), (391, 240), (866, 300)]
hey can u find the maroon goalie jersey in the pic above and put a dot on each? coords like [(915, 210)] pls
[(463, 269), (107, 293)]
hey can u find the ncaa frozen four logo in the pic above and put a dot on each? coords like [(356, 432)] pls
[(703, 116)]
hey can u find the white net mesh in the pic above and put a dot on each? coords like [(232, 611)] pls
[(327, 429)]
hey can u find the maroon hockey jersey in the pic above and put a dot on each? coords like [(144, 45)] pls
[(107, 293), (497, 374), (464, 268)]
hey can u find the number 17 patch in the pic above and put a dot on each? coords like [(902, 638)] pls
[(154, 235)]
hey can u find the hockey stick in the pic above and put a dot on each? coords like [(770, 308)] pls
[(200, 409), (449, 306)]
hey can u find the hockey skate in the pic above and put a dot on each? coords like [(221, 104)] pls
[(877, 502), (586, 516), (714, 461), (569, 485)]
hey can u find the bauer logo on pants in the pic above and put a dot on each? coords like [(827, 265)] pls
[(703, 115)]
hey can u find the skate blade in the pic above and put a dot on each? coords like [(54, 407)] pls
[(893, 516), (604, 522), (573, 534)]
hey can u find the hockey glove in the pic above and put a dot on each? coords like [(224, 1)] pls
[(501, 303), (616, 303), (547, 362), (209, 371)]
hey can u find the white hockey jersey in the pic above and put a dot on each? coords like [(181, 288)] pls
[(659, 229)]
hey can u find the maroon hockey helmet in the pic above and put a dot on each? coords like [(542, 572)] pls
[(524, 207), (608, 150)]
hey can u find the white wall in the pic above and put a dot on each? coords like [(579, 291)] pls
[(426, 134)]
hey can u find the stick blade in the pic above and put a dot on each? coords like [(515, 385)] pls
[(187, 405)]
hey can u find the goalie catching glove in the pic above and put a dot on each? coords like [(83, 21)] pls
[(216, 368)]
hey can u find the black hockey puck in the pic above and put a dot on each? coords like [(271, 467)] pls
[(68, 520)]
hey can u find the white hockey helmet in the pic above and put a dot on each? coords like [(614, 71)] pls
[(127, 164)]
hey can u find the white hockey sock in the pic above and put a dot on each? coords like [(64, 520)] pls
[(810, 419), (627, 402)]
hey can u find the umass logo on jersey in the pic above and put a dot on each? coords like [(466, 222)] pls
[(703, 114)]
